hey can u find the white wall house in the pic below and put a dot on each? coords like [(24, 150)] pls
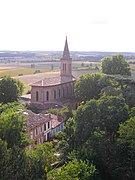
[(57, 125)]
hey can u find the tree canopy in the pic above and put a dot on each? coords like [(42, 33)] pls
[(87, 87), (115, 64), (105, 113), (16, 161), (101, 133), (10, 90), (73, 170)]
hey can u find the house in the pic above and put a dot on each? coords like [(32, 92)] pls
[(57, 90), (57, 124), (38, 127), (42, 127)]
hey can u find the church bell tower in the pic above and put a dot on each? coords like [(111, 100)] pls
[(66, 62)]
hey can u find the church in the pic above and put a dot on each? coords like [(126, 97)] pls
[(55, 91)]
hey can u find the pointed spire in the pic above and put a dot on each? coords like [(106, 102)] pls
[(66, 54)]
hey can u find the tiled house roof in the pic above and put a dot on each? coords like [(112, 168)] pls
[(35, 120), (56, 121)]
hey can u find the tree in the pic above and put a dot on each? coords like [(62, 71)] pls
[(66, 145), (39, 160), (87, 87), (12, 128), (10, 90), (105, 113), (13, 138), (124, 164), (118, 85), (115, 64), (73, 170), (96, 126), (15, 161), (4, 156), (66, 113)]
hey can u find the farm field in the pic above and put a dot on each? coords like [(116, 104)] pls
[(18, 71), (14, 69), (26, 74)]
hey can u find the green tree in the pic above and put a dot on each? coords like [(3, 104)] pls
[(73, 170), (105, 113), (115, 64), (10, 90), (15, 161), (4, 156), (66, 145), (39, 160), (66, 113), (87, 87), (96, 126), (116, 85), (13, 138), (124, 164), (12, 128)]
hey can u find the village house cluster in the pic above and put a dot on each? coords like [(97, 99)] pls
[(42, 127)]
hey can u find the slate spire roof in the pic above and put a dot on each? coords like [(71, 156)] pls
[(66, 54)]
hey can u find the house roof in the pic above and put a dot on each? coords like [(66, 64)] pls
[(35, 120), (53, 81), (56, 121)]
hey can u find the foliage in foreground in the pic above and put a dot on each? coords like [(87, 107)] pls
[(16, 162), (73, 170), (10, 90), (101, 132)]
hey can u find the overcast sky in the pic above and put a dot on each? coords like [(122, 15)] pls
[(91, 25)]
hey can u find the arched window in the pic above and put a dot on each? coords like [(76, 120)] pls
[(36, 95), (69, 67), (71, 90), (63, 92), (65, 68), (54, 94), (67, 91), (59, 92), (47, 96)]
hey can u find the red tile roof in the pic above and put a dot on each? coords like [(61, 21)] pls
[(35, 120), (56, 121), (53, 81)]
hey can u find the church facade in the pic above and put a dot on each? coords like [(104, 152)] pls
[(58, 90)]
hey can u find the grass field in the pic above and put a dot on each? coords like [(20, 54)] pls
[(18, 71)]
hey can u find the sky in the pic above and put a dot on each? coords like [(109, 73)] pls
[(90, 25)]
